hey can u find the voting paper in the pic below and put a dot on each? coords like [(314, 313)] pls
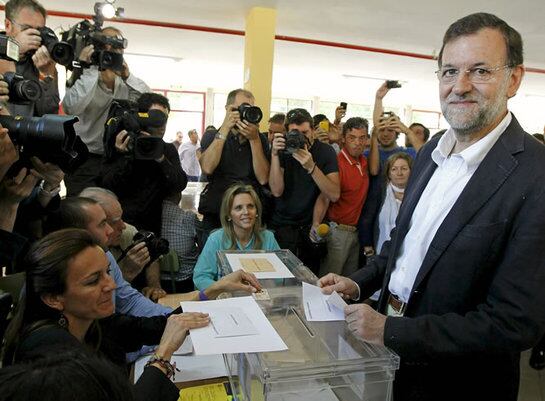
[(224, 336), (320, 307), (262, 265)]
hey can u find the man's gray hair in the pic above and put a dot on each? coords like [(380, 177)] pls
[(98, 194)]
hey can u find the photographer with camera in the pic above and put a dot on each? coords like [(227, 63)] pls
[(90, 98), (143, 169), (132, 256), (25, 22), (301, 168), (234, 153)]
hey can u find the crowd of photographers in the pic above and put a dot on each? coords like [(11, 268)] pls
[(312, 176)]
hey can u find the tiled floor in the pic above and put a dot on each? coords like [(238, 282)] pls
[(532, 382)]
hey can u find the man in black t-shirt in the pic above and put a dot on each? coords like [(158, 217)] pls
[(234, 153), (296, 180)]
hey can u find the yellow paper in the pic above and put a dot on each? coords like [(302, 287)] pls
[(209, 392)]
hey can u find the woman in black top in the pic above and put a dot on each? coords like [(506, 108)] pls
[(69, 303)]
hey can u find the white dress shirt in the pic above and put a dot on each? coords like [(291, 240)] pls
[(188, 158), (445, 186)]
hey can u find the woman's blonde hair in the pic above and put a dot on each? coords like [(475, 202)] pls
[(225, 214)]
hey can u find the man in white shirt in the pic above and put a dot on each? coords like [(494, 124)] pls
[(463, 275), (188, 156)]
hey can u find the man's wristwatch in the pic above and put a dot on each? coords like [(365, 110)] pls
[(220, 136), (51, 193)]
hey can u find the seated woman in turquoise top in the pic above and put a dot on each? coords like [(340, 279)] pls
[(241, 230)]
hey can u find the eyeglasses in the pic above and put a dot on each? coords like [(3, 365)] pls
[(476, 74), (22, 27)]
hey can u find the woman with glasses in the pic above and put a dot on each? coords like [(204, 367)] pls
[(241, 230)]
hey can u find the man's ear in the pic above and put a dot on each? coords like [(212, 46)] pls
[(8, 25), (54, 301)]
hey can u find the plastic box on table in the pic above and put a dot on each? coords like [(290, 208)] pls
[(324, 362)]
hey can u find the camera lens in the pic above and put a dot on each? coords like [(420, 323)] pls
[(252, 114), (62, 53)]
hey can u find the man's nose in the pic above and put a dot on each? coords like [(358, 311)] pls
[(462, 84)]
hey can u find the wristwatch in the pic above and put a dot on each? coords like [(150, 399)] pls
[(51, 193), (220, 136)]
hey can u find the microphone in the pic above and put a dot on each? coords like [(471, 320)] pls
[(322, 230)]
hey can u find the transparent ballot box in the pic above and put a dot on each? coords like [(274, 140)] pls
[(324, 360)]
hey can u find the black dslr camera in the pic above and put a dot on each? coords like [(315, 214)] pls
[(295, 140), (51, 138), (61, 52), (156, 246), (252, 114), (21, 90), (125, 116)]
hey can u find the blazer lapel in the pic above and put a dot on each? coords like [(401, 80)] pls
[(487, 179)]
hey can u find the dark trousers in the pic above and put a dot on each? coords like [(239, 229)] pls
[(87, 175), (296, 239)]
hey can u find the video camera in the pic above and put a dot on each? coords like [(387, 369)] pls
[(295, 140), (84, 34), (51, 138), (125, 116)]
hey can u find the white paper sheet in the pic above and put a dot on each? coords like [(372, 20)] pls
[(318, 307), (281, 271), (231, 322), (192, 367), (205, 341), (186, 348)]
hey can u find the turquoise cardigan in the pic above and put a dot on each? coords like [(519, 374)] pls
[(206, 269)]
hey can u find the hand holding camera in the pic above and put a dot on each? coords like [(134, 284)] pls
[(15, 189), (304, 157), (232, 116), (123, 72), (137, 258), (86, 54), (43, 61), (278, 144), (28, 40), (249, 131), (122, 141), (8, 152), (4, 90)]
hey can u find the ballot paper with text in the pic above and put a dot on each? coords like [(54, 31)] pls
[(237, 325), (320, 307)]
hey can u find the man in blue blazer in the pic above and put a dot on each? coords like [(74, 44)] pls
[(462, 278)]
